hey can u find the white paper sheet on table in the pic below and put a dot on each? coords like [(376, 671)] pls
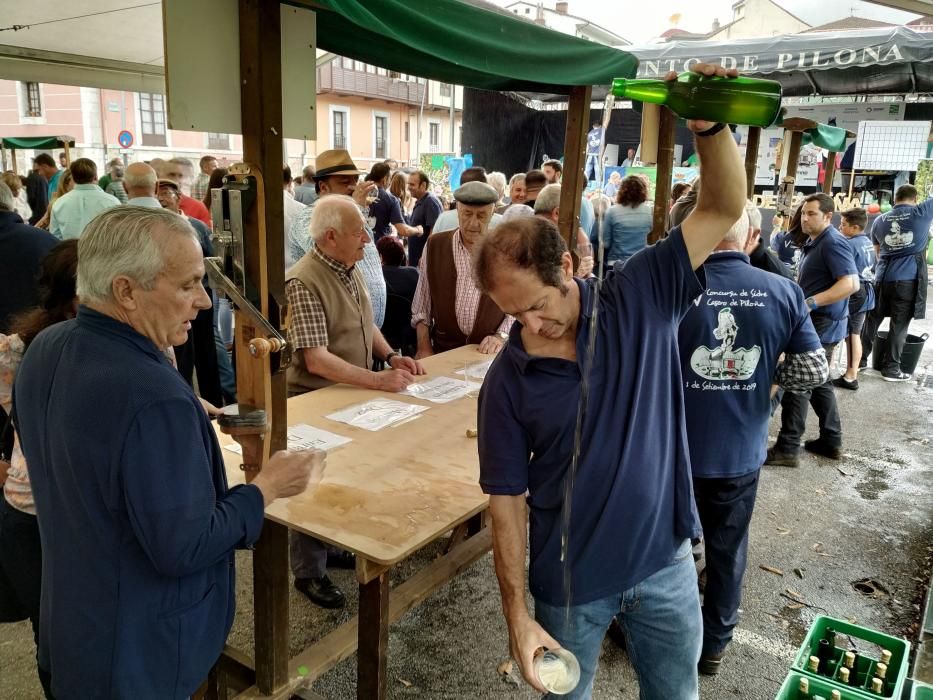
[(442, 389), (377, 414), (306, 437), (476, 371)]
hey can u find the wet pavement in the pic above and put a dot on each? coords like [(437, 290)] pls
[(825, 526)]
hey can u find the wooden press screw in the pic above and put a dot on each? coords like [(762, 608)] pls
[(261, 347)]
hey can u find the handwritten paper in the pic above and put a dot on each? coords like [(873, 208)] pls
[(377, 414), (442, 389), (305, 437)]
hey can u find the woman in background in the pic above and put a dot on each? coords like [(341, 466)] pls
[(628, 221), (66, 183)]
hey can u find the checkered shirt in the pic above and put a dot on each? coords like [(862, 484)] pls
[(802, 371), (308, 324)]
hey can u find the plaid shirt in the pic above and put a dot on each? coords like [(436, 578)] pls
[(199, 186), (803, 371), (308, 325), (467, 295)]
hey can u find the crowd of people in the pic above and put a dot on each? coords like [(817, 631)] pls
[(117, 526)]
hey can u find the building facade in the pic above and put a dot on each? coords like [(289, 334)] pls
[(373, 113)]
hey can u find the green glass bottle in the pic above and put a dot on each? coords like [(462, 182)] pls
[(741, 100)]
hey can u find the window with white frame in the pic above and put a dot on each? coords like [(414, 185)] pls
[(31, 99), (218, 142), (434, 135), (445, 89), (152, 119), (339, 127), (381, 136)]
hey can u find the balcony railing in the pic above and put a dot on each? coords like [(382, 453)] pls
[(334, 78)]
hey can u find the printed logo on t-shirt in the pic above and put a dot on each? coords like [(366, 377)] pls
[(725, 362), (897, 238)]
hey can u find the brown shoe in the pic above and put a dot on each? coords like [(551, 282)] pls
[(710, 663), (781, 459)]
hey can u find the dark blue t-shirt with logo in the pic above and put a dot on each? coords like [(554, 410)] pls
[(384, 212), (826, 259), (593, 138), (863, 251), (730, 341), (632, 503), (782, 244), (901, 234)]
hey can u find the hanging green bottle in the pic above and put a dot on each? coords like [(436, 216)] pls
[(741, 100)]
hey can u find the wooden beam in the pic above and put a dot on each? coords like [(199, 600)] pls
[(340, 644), (571, 193), (665, 173), (367, 570), (261, 119), (751, 159), (829, 173), (373, 644)]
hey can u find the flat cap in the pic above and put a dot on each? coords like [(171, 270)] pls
[(476, 193)]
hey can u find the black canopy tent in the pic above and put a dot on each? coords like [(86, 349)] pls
[(508, 134)]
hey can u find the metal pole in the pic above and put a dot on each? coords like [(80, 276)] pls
[(453, 97)]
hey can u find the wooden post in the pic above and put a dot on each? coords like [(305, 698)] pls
[(13, 157), (793, 154), (67, 154), (751, 159), (3, 160), (578, 117), (829, 172), (261, 118), (664, 174), (371, 662)]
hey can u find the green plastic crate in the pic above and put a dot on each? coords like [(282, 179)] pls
[(818, 686), (868, 643), (921, 691)]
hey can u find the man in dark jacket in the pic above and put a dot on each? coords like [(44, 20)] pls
[(138, 524), (22, 247)]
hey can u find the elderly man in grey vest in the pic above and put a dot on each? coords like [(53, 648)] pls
[(336, 340)]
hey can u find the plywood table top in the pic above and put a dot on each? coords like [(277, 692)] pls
[(387, 493)]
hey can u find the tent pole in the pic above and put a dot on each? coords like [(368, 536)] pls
[(751, 159), (578, 116), (829, 173), (3, 159), (665, 172), (13, 158), (261, 118)]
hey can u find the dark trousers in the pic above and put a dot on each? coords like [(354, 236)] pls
[(199, 353), (895, 299), (794, 415), (21, 572), (725, 507)]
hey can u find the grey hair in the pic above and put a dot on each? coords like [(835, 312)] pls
[(184, 162), (7, 201), (496, 180), (754, 216), (120, 242), (329, 214), (548, 199), (515, 178), (133, 179), (739, 232)]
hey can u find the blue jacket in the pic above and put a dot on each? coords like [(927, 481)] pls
[(138, 526)]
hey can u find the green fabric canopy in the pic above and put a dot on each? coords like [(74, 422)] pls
[(454, 42), (37, 141), (832, 138)]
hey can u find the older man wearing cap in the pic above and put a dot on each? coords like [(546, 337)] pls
[(449, 311), (336, 173)]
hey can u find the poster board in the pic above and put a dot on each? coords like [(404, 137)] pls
[(891, 145)]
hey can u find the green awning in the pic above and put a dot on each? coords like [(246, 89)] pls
[(37, 141), (454, 42), (832, 138)]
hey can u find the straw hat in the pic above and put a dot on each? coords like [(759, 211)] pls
[(334, 162)]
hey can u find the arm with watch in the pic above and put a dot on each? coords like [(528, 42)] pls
[(845, 287), (492, 344)]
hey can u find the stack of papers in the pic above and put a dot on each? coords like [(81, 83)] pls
[(305, 437), (442, 389), (377, 414)]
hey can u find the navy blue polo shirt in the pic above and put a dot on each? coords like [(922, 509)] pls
[(632, 504), (826, 258), (730, 341), (425, 213), (138, 524), (782, 244), (386, 210), (901, 234), (863, 252)]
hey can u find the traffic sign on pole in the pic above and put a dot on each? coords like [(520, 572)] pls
[(125, 138)]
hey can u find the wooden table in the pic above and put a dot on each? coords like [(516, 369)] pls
[(384, 496)]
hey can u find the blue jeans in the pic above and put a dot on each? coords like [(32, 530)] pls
[(663, 629)]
